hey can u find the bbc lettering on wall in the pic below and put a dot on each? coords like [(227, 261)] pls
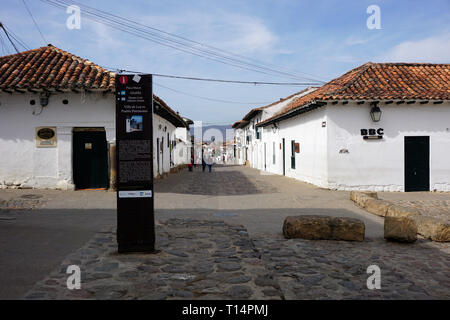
[(372, 134), (134, 155)]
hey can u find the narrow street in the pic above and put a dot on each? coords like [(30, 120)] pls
[(260, 202), (78, 227)]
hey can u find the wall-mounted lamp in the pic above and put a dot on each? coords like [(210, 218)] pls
[(44, 99), (375, 112), (275, 127)]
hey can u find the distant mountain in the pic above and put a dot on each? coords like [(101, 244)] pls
[(221, 128)]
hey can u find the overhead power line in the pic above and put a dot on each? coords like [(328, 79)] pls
[(4, 47), (176, 42), (206, 98), (9, 37), (217, 80), (34, 21), (17, 39)]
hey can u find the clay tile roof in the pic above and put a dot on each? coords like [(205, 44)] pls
[(239, 124), (381, 81), (167, 113), (254, 111), (51, 68)]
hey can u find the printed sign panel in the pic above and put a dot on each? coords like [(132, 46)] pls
[(134, 155)]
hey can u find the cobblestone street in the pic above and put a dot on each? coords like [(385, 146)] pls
[(435, 205), (220, 237)]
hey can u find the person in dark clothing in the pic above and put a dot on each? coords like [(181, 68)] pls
[(203, 164), (190, 165), (209, 161)]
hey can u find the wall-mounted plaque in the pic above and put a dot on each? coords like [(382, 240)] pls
[(46, 137)]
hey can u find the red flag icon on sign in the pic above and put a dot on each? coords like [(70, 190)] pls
[(123, 79)]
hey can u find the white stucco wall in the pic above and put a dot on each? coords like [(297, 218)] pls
[(24, 165), (311, 161), (162, 130), (378, 165), (21, 162), (182, 151)]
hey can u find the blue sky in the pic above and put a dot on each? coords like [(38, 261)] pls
[(321, 38)]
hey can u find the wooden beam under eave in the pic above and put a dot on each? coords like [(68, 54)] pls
[(20, 91), (389, 102), (438, 102), (360, 102), (400, 102), (423, 102), (411, 102), (334, 102), (7, 91), (344, 102)]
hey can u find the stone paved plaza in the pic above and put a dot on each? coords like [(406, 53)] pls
[(220, 237)]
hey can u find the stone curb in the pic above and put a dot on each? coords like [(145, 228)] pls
[(317, 227), (428, 227)]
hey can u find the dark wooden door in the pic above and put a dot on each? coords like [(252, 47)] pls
[(417, 163), (90, 160), (284, 159)]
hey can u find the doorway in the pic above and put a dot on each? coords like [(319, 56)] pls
[(284, 159), (265, 158), (90, 158), (417, 163), (157, 154)]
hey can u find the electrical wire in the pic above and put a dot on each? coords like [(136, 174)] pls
[(213, 80), (17, 39), (206, 98), (5, 50), (8, 36), (34, 21), (103, 15), (176, 42)]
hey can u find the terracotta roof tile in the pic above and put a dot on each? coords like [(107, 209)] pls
[(169, 114), (381, 81), (51, 68)]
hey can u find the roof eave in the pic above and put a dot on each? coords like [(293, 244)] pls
[(292, 113)]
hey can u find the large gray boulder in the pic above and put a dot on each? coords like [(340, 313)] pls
[(315, 227)]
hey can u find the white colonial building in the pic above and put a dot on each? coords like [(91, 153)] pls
[(57, 123), (249, 149), (380, 127)]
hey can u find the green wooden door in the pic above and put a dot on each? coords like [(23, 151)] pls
[(90, 160)]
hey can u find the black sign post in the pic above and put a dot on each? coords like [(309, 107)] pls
[(134, 156)]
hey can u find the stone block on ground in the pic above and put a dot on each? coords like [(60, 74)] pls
[(315, 227), (361, 198), (400, 211), (402, 229), (432, 228), (378, 207)]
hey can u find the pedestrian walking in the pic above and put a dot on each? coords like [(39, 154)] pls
[(203, 164)]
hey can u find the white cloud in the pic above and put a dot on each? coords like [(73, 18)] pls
[(433, 49), (352, 40), (228, 31), (248, 35)]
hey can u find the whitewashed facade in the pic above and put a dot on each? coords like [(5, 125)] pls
[(249, 149), (24, 165), (333, 153), (328, 136)]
